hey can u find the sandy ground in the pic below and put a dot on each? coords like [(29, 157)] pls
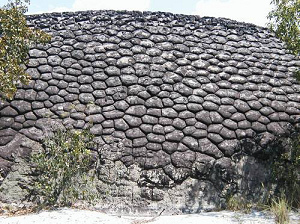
[(73, 216)]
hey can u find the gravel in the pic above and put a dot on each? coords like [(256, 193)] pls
[(71, 216)]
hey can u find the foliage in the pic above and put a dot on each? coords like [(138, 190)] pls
[(281, 209), (235, 203), (285, 22), (63, 169), (15, 41), (286, 169)]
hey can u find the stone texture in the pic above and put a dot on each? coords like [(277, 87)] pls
[(176, 97)]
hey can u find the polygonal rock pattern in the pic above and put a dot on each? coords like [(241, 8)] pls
[(179, 89)]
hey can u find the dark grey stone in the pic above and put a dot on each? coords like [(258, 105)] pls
[(216, 117), (154, 112), (84, 79), (113, 114), (183, 159), (252, 115), (183, 89), (179, 123), (275, 128), (99, 85), (210, 106), (208, 148), (215, 138), (230, 124), (186, 115), (175, 136), (158, 129), (113, 81), (147, 119), (203, 116), (94, 119), (96, 129), (227, 134), (121, 105), (132, 121), (200, 64), (238, 117), (210, 87), (157, 160), (77, 54), (134, 133), (54, 60), (169, 113), (228, 147), (241, 106), (154, 102), (8, 111), (56, 99), (278, 106), (258, 127), (120, 124), (71, 97), (170, 147), (266, 111), (138, 110), (21, 106), (42, 96), (44, 69), (155, 138), (112, 71), (129, 79), (154, 146), (73, 72), (86, 98), (40, 85), (35, 53), (190, 142)]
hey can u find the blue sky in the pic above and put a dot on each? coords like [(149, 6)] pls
[(252, 11)]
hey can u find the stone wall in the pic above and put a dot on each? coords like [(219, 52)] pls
[(182, 107)]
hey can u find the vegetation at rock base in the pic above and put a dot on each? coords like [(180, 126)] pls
[(16, 38), (286, 169), (63, 169), (235, 203), (281, 209), (285, 23)]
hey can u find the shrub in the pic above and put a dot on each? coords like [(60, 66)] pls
[(280, 208), (63, 169), (286, 169), (235, 203)]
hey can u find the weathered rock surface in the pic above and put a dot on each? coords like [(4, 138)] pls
[(183, 93)]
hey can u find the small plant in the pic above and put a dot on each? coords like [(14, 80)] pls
[(234, 203), (63, 169), (281, 209)]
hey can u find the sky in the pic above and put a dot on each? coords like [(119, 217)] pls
[(251, 11)]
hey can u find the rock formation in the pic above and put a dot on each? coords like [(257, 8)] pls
[(182, 107)]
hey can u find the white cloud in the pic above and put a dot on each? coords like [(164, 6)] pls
[(59, 9), (82, 5), (140, 5), (251, 11)]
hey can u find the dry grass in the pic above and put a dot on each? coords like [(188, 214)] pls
[(281, 209), (238, 204)]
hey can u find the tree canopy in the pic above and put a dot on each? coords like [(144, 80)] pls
[(285, 22), (16, 38)]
